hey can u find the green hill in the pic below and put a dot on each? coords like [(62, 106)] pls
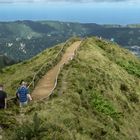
[(17, 29), (21, 40), (97, 98), (38, 65)]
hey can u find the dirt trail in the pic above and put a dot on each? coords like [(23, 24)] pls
[(47, 83)]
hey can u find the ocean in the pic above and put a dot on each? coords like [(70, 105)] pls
[(100, 13)]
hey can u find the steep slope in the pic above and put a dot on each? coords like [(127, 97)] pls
[(5, 61), (100, 90), (97, 97), (33, 68), (46, 85)]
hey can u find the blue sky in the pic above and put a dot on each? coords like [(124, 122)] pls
[(84, 11), (85, 1)]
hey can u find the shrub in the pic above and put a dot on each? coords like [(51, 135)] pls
[(103, 105), (30, 131), (7, 119)]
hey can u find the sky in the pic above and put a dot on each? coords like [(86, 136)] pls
[(85, 1), (84, 11)]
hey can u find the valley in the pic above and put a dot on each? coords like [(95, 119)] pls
[(21, 40)]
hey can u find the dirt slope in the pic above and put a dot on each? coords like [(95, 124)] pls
[(47, 83)]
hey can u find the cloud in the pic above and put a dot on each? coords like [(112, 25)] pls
[(33, 1)]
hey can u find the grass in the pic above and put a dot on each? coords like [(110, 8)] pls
[(95, 99), (106, 91), (121, 57), (11, 76)]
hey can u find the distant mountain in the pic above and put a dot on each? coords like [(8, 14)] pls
[(97, 96), (22, 40)]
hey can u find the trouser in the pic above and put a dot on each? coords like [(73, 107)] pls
[(21, 104)]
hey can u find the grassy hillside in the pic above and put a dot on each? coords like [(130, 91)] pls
[(97, 98), (11, 76), (5, 61)]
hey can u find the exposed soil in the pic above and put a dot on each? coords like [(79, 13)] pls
[(45, 86)]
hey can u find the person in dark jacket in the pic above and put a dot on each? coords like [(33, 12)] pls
[(3, 97)]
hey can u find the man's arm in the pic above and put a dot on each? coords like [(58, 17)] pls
[(29, 97)]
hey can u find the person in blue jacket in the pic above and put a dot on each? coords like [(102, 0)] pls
[(23, 94)]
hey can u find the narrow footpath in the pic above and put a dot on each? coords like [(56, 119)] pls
[(47, 83)]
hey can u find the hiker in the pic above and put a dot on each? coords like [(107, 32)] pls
[(23, 94), (3, 96), (17, 98)]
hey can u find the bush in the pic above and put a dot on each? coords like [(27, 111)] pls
[(103, 105), (30, 131), (7, 119)]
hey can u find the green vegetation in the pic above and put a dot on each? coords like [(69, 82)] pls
[(30, 130), (11, 76), (5, 61), (22, 40), (26, 69), (102, 105), (133, 25), (96, 98), (16, 30)]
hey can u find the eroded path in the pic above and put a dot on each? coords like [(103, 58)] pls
[(45, 86)]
